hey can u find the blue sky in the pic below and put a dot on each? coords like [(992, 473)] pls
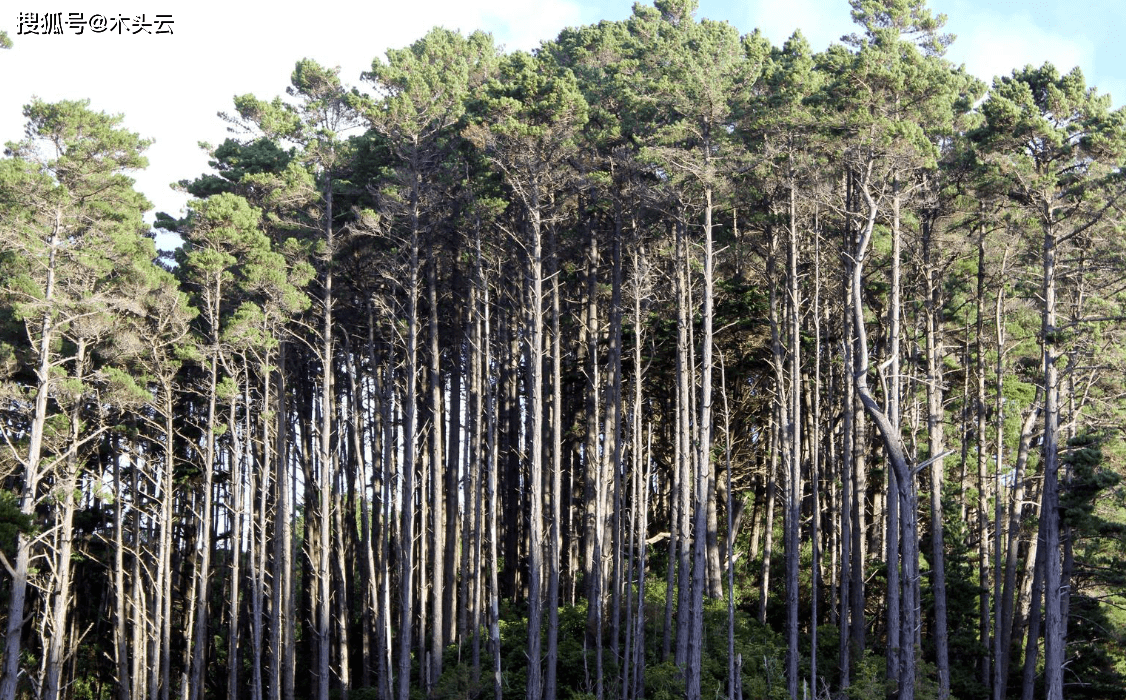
[(169, 87)]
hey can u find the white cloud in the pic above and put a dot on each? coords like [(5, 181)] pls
[(1115, 87), (992, 45), (170, 87), (822, 22)]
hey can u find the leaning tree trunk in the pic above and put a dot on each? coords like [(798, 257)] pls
[(893, 447)]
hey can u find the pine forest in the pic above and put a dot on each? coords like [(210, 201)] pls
[(660, 362)]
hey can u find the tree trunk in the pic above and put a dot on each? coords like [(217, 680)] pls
[(203, 566), (535, 332), (1011, 628), (437, 481), (323, 573), (556, 491), (793, 439), (935, 447), (406, 533), (61, 576), (29, 495), (684, 372), (1055, 624), (703, 466), (121, 643)]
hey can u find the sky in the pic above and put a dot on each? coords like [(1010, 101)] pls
[(170, 87)]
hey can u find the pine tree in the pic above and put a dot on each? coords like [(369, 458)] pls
[(1054, 147), (71, 218)]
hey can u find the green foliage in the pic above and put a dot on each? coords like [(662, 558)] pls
[(423, 88), (1039, 127), (12, 522), (868, 681), (962, 599), (1091, 508), (620, 128), (234, 163), (526, 120), (1096, 650)]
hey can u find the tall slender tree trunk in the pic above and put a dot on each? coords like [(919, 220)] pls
[(1055, 624), (17, 596), (684, 457), (935, 447), (61, 595), (282, 638), (410, 406), (814, 438), (161, 683), (472, 570), (238, 451), (703, 466), (455, 533), (1032, 645), (793, 438), (1012, 629), (437, 480), (491, 499), (259, 592), (612, 435), (556, 491), (323, 574), (593, 482), (121, 643), (535, 332), (999, 624), (982, 475), (844, 538), (200, 645)]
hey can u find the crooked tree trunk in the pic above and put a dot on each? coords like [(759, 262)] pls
[(893, 447), (894, 618)]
